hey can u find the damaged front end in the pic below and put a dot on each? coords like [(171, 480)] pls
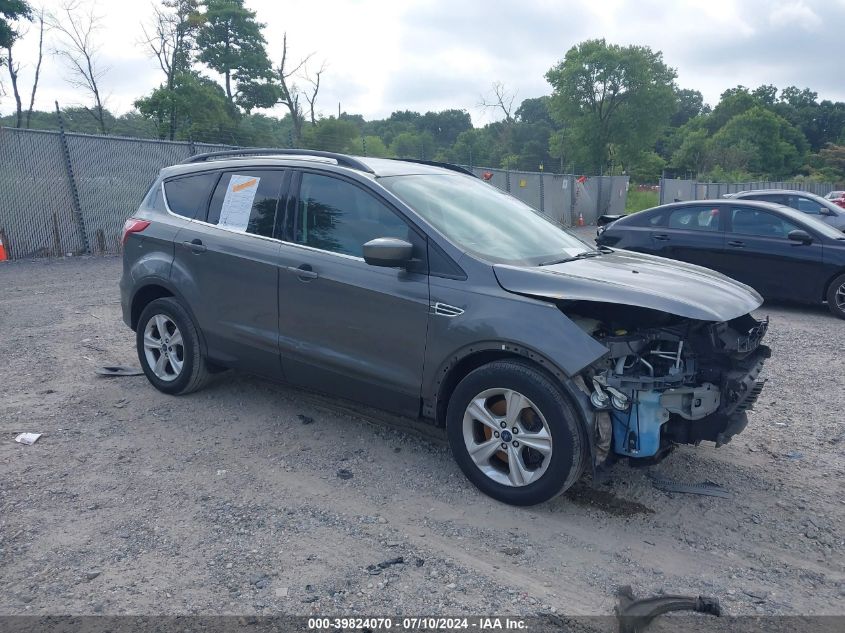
[(668, 380)]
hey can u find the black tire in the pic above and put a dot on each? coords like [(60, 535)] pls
[(837, 306), (194, 374), (568, 439)]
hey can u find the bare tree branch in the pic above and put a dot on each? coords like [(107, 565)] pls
[(78, 48), (291, 94), (501, 99), (41, 28), (312, 98)]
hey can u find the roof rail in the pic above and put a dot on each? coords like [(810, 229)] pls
[(342, 159), (435, 163)]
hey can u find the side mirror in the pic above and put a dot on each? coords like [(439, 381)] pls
[(800, 236), (390, 252), (825, 211)]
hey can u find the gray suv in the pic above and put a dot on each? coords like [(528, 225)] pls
[(805, 202), (422, 290)]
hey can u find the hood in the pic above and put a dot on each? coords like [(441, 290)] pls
[(629, 278)]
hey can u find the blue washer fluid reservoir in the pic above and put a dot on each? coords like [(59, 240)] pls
[(636, 432)]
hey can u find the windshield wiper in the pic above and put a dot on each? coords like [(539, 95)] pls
[(581, 255)]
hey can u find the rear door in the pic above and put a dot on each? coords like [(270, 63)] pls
[(691, 234), (759, 253), (348, 328), (227, 265)]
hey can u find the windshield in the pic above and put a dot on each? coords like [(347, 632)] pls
[(485, 221), (814, 223)]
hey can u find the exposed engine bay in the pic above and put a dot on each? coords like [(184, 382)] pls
[(668, 380)]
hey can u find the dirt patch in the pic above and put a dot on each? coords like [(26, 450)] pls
[(227, 502)]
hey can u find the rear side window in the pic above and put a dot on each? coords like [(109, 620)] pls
[(247, 201), (695, 218), (187, 196)]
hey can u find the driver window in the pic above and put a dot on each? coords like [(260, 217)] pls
[(334, 215), (805, 204), (748, 221)]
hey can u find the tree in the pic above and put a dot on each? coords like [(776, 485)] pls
[(445, 126), (690, 105), (333, 135), (772, 147), (231, 44), (10, 11), (290, 95), (16, 10), (500, 99), (203, 112), (171, 40), (78, 47), (535, 111), (606, 95)]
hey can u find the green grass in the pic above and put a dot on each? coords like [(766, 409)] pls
[(639, 200)]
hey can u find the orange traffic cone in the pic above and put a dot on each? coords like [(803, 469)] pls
[(580, 219), (3, 254)]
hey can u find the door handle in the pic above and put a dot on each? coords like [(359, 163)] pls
[(661, 237), (737, 244), (304, 272), (196, 246)]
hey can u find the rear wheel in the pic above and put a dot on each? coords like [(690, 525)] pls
[(514, 433), (169, 348), (836, 296)]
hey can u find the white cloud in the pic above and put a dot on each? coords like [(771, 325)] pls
[(385, 55)]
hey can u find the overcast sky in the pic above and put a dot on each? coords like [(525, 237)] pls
[(424, 55)]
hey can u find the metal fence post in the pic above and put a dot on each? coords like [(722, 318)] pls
[(77, 207)]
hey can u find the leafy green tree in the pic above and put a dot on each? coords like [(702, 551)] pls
[(690, 105), (203, 112), (171, 40), (413, 145), (332, 135), (445, 126), (374, 146), (733, 101), (535, 111), (10, 11), (774, 147), (231, 43), (606, 95)]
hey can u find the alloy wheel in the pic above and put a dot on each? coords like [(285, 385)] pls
[(164, 348), (507, 437)]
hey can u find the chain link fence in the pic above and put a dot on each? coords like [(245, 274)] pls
[(679, 190), (69, 194)]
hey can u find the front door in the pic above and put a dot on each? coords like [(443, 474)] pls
[(348, 328), (759, 253)]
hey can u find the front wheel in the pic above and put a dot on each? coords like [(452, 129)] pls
[(836, 296), (514, 433), (169, 348)]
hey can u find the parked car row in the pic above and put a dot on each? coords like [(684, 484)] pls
[(779, 251)]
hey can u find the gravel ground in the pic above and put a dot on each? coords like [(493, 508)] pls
[(254, 498)]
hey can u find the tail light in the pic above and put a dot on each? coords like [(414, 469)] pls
[(133, 225)]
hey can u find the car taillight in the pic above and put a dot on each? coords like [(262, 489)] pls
[(133, 225)]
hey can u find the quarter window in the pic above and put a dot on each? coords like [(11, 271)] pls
[(334, 215), (748, 221), (695, 218), (247, 201), (187, 196)]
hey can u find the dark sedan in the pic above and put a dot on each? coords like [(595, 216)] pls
[(780, 252)]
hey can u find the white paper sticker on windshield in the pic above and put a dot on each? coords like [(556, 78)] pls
[(237, 205)]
